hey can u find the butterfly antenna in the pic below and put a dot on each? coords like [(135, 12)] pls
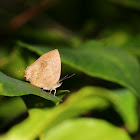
[(66, 77)]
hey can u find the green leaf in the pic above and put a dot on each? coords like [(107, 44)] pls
[(13, 87), (90, 129), (126, 105), (87, 98), (42, 120), (113, 64), (123, 101)]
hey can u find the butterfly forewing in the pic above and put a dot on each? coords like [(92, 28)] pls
[(45, 71)]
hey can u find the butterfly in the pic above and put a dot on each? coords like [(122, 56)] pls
[(45, 71)]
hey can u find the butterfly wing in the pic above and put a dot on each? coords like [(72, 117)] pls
[(45, 71)]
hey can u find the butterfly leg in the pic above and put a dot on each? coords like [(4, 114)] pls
[(50, 91), (54, 92)]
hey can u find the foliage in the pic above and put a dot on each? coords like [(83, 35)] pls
[(99, 42)]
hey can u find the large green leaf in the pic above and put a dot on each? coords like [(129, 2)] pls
[(13, 87), (111, 64), (90, 129), (42, 120), (85, 99)]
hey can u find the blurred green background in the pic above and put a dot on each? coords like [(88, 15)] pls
[(99, 41)]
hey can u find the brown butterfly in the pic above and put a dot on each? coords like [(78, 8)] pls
[(45, 71)]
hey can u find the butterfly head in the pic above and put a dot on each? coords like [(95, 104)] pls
[(58, 84)]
